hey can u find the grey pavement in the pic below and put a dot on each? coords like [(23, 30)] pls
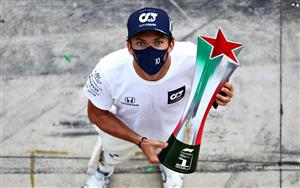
[(46, 138)]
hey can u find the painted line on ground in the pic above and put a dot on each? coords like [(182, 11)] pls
[(32, 160)]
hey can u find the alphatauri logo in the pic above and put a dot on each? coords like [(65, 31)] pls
[(129, 101), (147, 17), (176, 95)]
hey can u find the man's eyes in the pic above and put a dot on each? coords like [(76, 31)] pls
[(158, 42), (140, 43), (155, 43)]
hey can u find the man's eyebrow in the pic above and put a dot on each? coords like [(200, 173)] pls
[(160, 37), (156, 38), (137, 38)]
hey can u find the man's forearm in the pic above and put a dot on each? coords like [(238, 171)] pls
[(112, 125)]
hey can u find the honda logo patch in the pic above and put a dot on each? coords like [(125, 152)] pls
[(129, 101), (176, 95)]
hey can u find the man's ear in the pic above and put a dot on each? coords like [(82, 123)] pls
[(171, 46), (129, 47)]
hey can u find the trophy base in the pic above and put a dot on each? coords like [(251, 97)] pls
[(179, 157)]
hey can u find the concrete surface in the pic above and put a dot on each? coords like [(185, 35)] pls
[(46, 138)]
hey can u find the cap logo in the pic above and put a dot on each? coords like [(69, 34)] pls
[(147, 17)]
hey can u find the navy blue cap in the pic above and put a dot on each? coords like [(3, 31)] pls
[(147, 19)]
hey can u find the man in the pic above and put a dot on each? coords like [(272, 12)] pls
[(136, 82)]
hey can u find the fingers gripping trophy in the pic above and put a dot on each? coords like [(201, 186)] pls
[(216, 61)]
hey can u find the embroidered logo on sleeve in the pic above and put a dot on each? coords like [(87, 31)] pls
[(94, 84)]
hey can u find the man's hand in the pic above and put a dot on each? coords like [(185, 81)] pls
[(227, 89), (149, 148)]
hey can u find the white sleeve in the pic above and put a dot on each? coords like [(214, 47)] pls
[(97, 90)]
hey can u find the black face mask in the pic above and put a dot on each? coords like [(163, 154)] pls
[(150, 59)]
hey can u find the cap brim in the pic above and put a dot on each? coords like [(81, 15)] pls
[(148, 29)]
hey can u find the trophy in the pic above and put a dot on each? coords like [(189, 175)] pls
[(215, 62)]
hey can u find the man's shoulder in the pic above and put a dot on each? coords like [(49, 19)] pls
[(114, 61), (184, 53), (183, 58), (185, 48)]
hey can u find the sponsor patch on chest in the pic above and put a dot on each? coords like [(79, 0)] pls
[(176, 95)]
